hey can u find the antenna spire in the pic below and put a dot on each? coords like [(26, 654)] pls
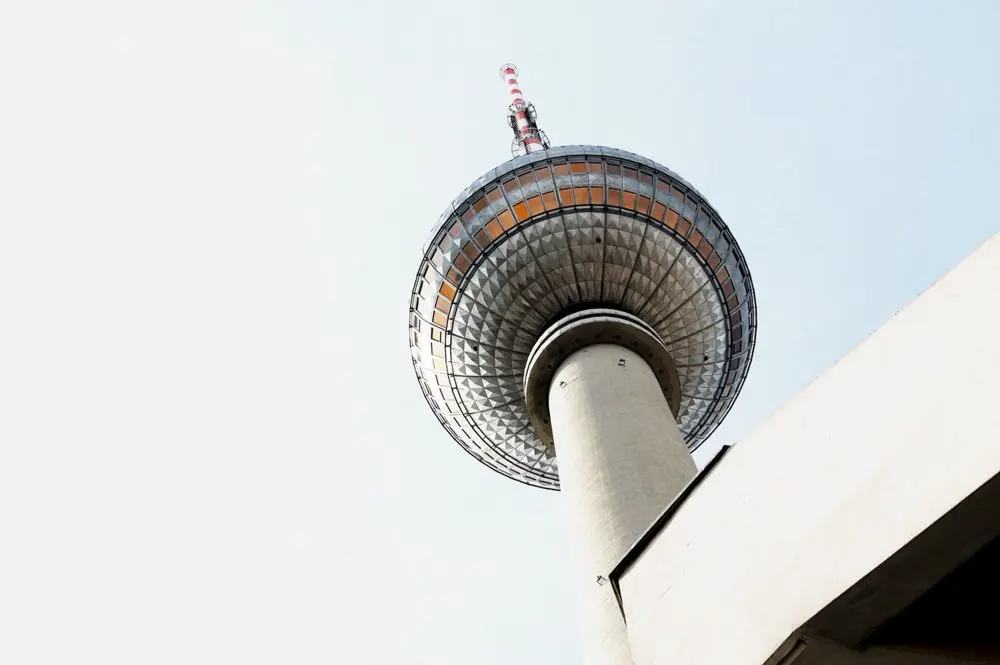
[(522, 118)]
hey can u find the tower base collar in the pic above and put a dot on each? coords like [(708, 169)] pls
[(582, 329)]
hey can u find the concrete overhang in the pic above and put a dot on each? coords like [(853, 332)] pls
[(931, 602), (853, 524)]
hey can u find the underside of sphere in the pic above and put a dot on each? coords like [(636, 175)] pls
[(562, 230)]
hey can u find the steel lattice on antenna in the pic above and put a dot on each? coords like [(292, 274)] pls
[(522, 118)]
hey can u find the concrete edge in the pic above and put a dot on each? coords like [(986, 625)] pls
[(654, 529)]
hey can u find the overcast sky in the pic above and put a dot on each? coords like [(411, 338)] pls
[(212, 445)]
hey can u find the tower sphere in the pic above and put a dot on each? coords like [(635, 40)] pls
[(562, 230)]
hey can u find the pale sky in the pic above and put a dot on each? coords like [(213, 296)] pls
[(212, 445)]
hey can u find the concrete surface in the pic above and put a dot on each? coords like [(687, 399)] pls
[(853, 468), (621, 460)]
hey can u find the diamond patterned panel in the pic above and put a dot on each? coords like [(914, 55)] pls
[(622, 240), (548, 242), (585, 237)]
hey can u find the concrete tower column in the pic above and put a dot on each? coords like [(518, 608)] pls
[(622, 460), (621, 457)]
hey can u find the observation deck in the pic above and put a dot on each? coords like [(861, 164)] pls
[(562, 230)]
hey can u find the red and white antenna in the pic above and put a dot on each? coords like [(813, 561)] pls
[(522, 117)]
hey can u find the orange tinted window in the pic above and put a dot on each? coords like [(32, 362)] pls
[(506, 219), (566, 197), (659, 210), (549, 199), (582, 194), (614, 197), (482, 237), (494, 229), (535, 205), (672, 218), (462, 262), (594, 167), (696, 238), (478, 204), (443, 304), (521, 211), (728, 288), (577, 167), (561, 169), (683, 226), (454, 275), (714, 261), (723, 274), (597, 195), (628, 200), (471, 251), (447, 290), (643, 204), (439, 318)]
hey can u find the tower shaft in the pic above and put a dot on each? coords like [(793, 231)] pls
[(622, 460)]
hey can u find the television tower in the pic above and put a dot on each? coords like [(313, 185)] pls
[(582, 319)]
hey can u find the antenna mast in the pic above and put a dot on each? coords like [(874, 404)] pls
[(522, 118)]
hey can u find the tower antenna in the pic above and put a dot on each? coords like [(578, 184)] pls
[(521, 117)]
